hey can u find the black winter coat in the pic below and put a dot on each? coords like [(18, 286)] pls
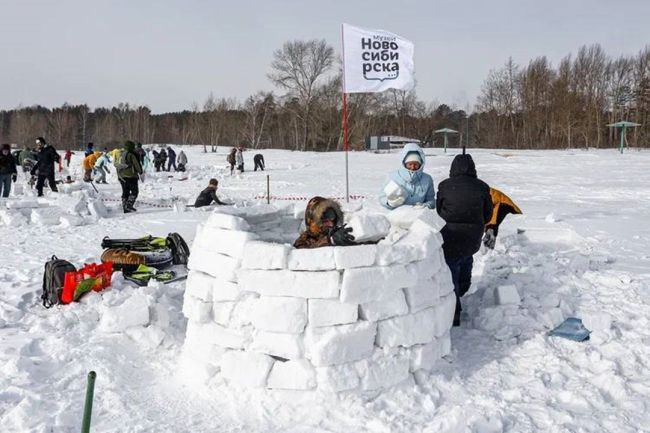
[(464, 202), (7, 164), (45, 160), (206, 198)]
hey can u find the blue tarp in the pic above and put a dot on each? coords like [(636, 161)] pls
[(572, 328)]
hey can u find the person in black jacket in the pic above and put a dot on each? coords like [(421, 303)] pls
[(172, 159), (209, 195), (258, 159), (8, 170), (46, 158), (464, 202)]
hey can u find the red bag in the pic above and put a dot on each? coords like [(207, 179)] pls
[(91, 277)]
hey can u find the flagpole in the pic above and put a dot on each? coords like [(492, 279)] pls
[(346, 144)]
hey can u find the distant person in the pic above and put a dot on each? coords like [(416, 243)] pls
[(324, 225), (8, 172), (88, 165), (209, 195), (128, 173), (101, 167), (44, 167), (239, 159), (163, 159), (232, 159), (409, 184), (156, 159), (90, 149), (502, 207), (182, 161), (67, 157), (171, 154), (258, 159), (465, 204), (140, 152)]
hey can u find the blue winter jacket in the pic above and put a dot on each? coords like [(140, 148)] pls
[(417, 185)]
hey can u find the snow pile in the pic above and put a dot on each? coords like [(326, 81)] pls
[(265, 315)]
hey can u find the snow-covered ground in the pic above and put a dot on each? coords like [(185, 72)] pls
[(583, 250)]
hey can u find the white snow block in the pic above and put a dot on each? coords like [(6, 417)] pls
[(48, 216), (424, 356), (264, 255), (383, 370), (425, 294), (336, 378), (298, 374), (443, 280), (197, 310), (224, 290), (280, 314), (246, 369), (242, 315), (199, 285), (132, 312), (215, 264), (418, 328), (405, 216), (22, 204), (355, 256), (340, 344), (289, 346), (97, 209), (211, 333), (326, 312), (228, 222), (423, 269), (369, 227), (221, 312), (228, 242), (507, 295), (13, 218), (324, 284), (402, 253), (362, 285), (393, 304), (312, 259), (444, 314)]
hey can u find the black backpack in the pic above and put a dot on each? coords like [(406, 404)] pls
[(180, 250), (53, 279)]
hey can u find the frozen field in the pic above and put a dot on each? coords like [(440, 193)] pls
[(583, 249)]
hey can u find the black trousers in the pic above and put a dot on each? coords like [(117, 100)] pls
[(40, 182), (129, 188), (461, 275), (259, 164), (170, 164)]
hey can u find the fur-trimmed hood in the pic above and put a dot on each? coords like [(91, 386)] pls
[(314, 214)]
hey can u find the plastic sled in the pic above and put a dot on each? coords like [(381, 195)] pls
[(572, 329)]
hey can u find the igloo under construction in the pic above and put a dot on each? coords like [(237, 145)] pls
[(262, 314)]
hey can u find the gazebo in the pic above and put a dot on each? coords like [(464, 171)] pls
[(445, 131), (623, 125)]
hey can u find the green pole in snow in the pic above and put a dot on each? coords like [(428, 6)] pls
[(88, 406), (622, 138)]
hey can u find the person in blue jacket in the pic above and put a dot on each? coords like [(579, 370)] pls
[(409, 184)]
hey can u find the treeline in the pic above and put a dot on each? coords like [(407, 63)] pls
[(537, 106)]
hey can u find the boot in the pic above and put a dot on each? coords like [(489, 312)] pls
[(130, 202), (457, 313), (125, 205)]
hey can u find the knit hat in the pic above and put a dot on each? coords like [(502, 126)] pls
[(42, 140), (413, 157)]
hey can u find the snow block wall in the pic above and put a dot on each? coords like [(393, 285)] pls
[(262, 314)]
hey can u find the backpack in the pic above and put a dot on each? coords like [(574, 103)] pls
[(53, 280), (121, 162), (180, 250)]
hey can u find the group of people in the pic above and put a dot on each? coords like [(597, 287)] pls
[(471, 210), (166, 159), (236, 159)]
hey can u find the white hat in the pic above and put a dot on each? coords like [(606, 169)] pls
[(413, 157)]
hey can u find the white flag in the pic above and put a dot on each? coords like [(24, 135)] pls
[(376, 60)]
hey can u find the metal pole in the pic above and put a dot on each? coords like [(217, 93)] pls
[(445, 142), (622, 138), (346, 146), (88, 406), (268, 189)]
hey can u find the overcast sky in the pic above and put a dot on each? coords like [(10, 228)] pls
[(167, 54)]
